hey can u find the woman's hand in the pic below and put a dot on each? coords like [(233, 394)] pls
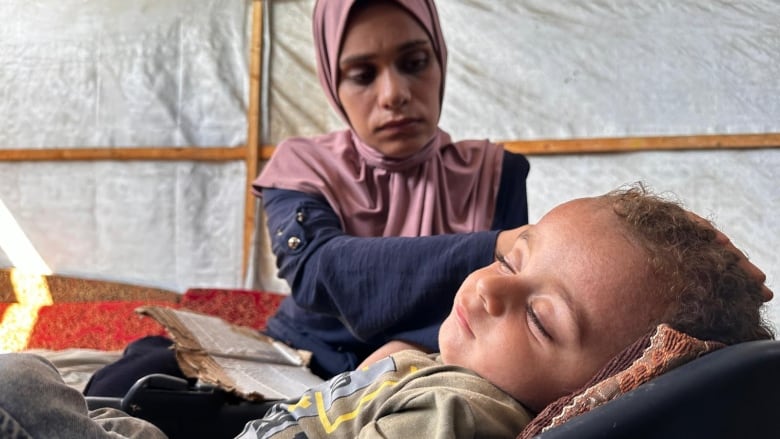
[(744, 263)]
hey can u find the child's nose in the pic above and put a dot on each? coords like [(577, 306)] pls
[(500, 294), (393, 90)]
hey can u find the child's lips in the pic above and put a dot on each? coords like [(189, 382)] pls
[(463, 320)]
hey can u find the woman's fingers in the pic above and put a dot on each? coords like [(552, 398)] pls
[(751, 269)]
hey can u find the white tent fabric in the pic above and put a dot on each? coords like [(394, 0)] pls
[(174, 72), (143, 73), (127, 74), (560, 69)]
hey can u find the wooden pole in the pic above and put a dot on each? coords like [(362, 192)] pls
[(176, 153), (530, 147), (627, 144), (253, 128)]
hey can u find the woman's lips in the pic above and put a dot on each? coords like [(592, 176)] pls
[(399, 125)]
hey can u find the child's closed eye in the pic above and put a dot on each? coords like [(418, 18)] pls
[(537, 323), (503, 262)]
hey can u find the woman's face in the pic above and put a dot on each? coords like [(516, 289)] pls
[(389, 80)]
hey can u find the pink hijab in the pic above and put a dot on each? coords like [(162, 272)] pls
[(445, 187)]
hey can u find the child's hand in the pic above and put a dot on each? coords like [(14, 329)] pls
[(744, 263), (388, 349)]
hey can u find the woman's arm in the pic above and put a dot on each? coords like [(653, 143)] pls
[(512, 197), (373, 285)]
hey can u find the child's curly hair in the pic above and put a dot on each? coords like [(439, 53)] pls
[(708, 295)]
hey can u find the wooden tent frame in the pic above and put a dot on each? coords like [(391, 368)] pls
[(253, 152)]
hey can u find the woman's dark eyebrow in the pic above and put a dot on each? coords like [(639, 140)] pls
[(360, 57), (413, 45)]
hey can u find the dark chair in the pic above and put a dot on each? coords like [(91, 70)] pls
[(731, 393), (181, 410)]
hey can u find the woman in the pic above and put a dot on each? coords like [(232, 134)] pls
[(355, 214)]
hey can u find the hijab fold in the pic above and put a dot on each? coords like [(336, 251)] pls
[(445, 187)]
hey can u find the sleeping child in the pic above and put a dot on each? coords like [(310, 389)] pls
[(591, 277)]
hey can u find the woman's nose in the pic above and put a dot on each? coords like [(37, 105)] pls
[(393, 90)]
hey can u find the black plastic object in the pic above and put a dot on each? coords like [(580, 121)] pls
[(730, 393), (181, 410)]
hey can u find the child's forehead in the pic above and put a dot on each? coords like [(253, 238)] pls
[(590, 202), (582, 209), (592, 247)]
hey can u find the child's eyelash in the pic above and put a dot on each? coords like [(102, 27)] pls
[(502, 260), (535, 320)]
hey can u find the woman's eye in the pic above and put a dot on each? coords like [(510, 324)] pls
[(415, 63), (360, 76)]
